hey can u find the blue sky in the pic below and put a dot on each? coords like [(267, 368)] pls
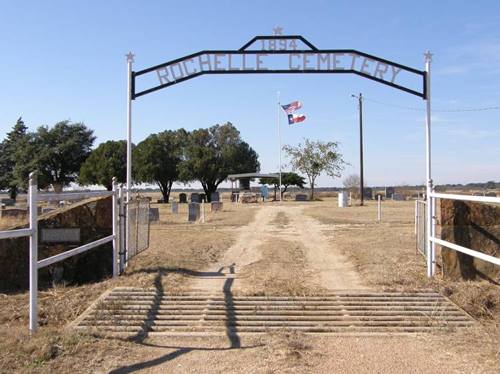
[(65, 60)]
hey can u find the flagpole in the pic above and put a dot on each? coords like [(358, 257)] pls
[(279, 138)]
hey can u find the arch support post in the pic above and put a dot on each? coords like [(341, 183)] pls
[(431, 256), (130, 61)]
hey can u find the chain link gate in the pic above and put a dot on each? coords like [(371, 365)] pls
[(420, 227), (138, 234)]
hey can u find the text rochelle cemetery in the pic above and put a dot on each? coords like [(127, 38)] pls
[(304, 61)]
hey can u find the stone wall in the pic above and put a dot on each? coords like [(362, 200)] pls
[(471, 225), (93, 217)]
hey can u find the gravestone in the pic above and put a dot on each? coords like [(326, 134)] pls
[(194, 212), (154, 214), (491, 194), (203, 198), (379, 194), (368, 193), (47, 209), (398, 197), (214, 196), (175, 207), (195, 197), (389, 191), (235, 196), (60, 235), (160, 201), (301, 197), (216, 206), (16, 213), (182, 198), (8, 202)]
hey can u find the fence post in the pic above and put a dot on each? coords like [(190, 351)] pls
[(116, 240), (33, 216), (121, 197), (379, 209)]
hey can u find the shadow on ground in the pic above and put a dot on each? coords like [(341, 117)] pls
[(140, 337)]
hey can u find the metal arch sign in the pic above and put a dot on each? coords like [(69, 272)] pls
[(279, 54)]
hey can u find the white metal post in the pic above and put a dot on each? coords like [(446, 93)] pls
[(116, 229), (379, 208), (430, 255), (279, 136), (33, 216), (130, 61)]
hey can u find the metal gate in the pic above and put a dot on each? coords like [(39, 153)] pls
[(138, 234), (420, 227)]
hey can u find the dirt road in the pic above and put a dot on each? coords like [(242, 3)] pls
[(281, 229)]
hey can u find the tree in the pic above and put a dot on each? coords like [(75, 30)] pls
[(11, 149), (351, 182), (314, 158), (157, 159), (108, 160), (214, 153), (62, 150), (287, 179)]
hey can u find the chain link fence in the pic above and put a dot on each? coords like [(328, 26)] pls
[(420, 226), (138, 235)]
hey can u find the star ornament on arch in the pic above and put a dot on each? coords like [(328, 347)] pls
[(278, 30), (428, 56), (130, 57)]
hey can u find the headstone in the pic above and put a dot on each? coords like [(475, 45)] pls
[(8, 202), (377, 196), (154, 214), (343, 199), (203, 197), (47, 209), (175, 207), (195, 197), (214, 196), (264, 192), (161, 201), (491, 194), (389, 191), (60, 235), (301, 197), (216, 206), (398, 197), (248, 197), (182, 198), (368, 193), (235, 197), (194, 212)]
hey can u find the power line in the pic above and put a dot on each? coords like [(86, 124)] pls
[(435, 110)]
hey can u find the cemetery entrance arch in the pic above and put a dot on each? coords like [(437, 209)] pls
[(285, 54)]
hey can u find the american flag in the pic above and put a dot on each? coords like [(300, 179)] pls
[(292, 107)]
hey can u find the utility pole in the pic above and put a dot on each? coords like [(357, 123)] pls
[(361, 185)]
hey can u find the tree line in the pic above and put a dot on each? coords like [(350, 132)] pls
[(63, 154)]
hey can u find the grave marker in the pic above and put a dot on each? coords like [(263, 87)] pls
[(398, 197), (182, 198), (193, 212), (216, 206), (301, 197), (214, 196), (195, 197), (154, 214), (175, 207), (8, 202), (389, 191)]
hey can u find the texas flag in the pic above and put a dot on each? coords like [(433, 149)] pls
[(295, 118), (292, 107)]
